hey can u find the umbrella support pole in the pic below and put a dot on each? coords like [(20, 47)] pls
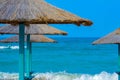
[(21, 52), (28, 59), (118, 61)]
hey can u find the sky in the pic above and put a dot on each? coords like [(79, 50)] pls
[(105, 15)]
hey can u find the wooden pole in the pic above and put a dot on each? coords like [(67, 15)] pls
[(21, 52), (118, 61), (28, 58)]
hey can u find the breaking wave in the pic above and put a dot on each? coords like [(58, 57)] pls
[(62, 76), (10, 47)]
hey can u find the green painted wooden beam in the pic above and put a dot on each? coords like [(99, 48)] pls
[(28, 58), (118, 61), (21, 52)]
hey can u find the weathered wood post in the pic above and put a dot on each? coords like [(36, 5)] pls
[(118, 61), (28, 58), (21, 52)]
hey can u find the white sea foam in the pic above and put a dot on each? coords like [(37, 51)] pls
[(8, 76), (14, 47), (10, 47), (3, 47), (62, 76)]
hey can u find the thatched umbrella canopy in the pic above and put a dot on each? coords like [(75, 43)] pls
[(35, 29), (34, 12), (25, 12), (112, 38), (33, 38)]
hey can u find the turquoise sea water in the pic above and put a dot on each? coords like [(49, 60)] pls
[(69, 59)]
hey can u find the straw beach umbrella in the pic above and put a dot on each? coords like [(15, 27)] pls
[(33, 38), (36, 12), (111, 38), (35, 29), (25, 12)]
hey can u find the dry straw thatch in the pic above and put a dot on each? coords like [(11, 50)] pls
[(35, 29), (33, 38), (111, 38), (34, 12)]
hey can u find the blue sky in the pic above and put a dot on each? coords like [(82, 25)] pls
[(105, 15)]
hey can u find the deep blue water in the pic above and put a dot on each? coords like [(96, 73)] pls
[(72, 55)]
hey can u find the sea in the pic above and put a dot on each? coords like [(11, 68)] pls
[(68, 59)]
